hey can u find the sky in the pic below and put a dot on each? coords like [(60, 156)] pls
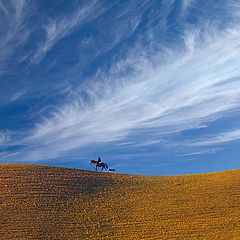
[(152, 87)]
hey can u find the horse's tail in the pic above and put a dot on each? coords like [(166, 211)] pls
[(106, 166)]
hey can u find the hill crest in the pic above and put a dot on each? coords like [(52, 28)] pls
[(45, 202)]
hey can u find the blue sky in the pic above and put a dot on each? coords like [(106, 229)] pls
[(153, 87)]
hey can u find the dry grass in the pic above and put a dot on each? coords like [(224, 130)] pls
[(41, 202)]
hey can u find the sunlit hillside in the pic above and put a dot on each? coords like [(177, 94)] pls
[(42, 202)]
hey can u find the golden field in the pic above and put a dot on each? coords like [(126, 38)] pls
[(43, 202)]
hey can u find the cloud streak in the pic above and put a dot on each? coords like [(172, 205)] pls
[(14, 33), (220, 138), (61, 27), (177, 96), (155, 88), (4, 138)]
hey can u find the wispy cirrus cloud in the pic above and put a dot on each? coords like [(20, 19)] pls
[(217, 139), (62, 26), (18, 95), (201, 152), (4, 138), (14, 33), (152, 87), (186, 4), (196, 86)]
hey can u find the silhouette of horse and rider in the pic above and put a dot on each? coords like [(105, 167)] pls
[(99, 163)]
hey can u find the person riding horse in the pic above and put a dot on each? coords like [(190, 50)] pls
[(99, 160), (99, 163)]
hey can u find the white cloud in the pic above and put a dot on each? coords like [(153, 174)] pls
[(186, 4), (17, 95), (219, 138), (163, 92), (59, 28), (199, 86), (4, 138), (13, 31), (201, 152)]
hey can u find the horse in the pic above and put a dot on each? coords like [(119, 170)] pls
[(101, 164)]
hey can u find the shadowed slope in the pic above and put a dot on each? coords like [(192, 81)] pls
[(42, 202)]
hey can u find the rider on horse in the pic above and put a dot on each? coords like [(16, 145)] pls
[(99, 163), (99, 160)]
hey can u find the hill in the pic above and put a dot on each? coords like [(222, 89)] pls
[(43, 202)]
